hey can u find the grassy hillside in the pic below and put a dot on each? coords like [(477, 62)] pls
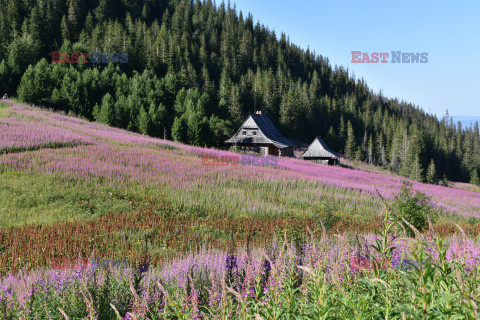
[(82, 186)]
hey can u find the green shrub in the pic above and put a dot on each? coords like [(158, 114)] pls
[(329, 217), (413, 207)]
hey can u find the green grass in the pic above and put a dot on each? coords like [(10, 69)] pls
[(46, 198), (3, 109)]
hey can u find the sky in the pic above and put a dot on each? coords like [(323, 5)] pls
[(448, 31)]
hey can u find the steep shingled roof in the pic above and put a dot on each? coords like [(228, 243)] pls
[(319, 149), (268, 133)]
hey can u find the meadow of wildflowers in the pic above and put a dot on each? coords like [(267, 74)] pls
[(116, 158), (214, 242), (329, 278)]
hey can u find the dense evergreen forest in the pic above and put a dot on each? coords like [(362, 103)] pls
[(195, 70)]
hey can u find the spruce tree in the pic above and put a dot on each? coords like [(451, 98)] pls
[(145, 123), (4, 78), (416, 172), (432, 173), (65, 29), (58, 100), (234, 105), (350, 146), (370, 151), (341, 131), (159, 117), (26, 90), (474, 179), (35, 81), (180, 129), (106, 113)]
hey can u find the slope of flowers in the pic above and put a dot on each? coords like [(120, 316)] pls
[(18, 134), (121, 165)]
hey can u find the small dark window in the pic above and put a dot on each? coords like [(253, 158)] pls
[(244, 133), (254, 133)]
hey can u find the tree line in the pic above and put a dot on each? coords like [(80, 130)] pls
[(196, 69)]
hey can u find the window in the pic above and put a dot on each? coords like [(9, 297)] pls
[(254, 133), (244, 133)]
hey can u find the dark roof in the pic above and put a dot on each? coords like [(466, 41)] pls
[(269, 134), (319, 149)]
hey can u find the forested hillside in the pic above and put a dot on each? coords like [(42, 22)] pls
[(196, 69)]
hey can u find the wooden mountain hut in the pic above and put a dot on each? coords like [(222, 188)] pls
[(258, 134), (319, 152)]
